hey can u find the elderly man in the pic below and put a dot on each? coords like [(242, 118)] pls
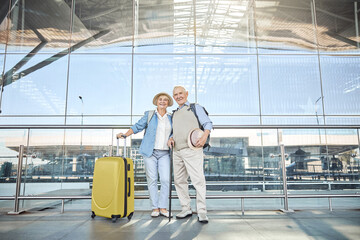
[(189, 161)]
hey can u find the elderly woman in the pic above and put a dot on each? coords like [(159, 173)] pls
[(154, 149)]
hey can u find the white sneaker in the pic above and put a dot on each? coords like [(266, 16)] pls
[(155, 214), (165, 214), (184, 214), (203, 218)]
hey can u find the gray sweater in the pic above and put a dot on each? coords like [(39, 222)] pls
[(184, 121)]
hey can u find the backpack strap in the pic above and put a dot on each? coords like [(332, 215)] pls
[(193, 109), (151, 114)]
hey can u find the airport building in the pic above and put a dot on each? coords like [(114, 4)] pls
[(279, 78)]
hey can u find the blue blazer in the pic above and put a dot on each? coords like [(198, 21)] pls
[(148, 142)]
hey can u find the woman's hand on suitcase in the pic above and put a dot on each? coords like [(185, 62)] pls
[(120, 135)]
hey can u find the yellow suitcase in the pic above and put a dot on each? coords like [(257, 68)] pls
[(113, 187)]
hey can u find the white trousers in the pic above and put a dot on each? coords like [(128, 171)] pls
[(188, 162)]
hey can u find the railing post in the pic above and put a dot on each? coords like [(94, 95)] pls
[(110, 150), (330, 205), (18, 181), (62, 205), (286, 199), (242, 206)]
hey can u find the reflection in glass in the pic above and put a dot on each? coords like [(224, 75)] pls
[(234, 120), (270, 155), (290, 85), (228, 84), (240, 156), (103, 27), (38, 87), (103, 83), (341, 84), (10, 141), (225, 27), (285, 26), (39, 27), (292, 120), (32, 120), (166, 27), (98, 120), (159, 73), (338, 26), (83, 148), (343, 158), (318, 155), (343, 120), (47, 146)]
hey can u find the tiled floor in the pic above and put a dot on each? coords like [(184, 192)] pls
[(77, 224)]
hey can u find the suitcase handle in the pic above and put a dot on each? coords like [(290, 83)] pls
[(129, 193), (117, 146)]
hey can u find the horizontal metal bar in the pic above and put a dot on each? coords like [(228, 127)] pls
[(193, 196), (206, 54), (266, 183), (323, 195), (140, 115), (215, 126)]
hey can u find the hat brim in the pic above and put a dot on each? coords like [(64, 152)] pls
[(190, 144), (161, 94)]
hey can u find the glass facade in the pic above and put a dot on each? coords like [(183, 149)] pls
[(75, 73)]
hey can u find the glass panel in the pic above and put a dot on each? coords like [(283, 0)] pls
[(271, 161), (234, 120), (344, 120), (99, 84), (44, 171), (164, 26), (39, 87), (285, 26), (59, 169), (341, 84), (158, 73), (228, 79), (292, 120), (306, 166), (32, 120), (83, 148), (239, 161), (321, 160), (40, 27), (4, 24), (105, 27), (10, 140), (343, 160), (290, 85), (309, 203), (225, 27), (345, 203), (338, 26), (99, 120), (249, 204)]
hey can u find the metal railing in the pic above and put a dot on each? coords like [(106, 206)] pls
[(285, 196)]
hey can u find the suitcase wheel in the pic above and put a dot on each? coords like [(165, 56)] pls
[(114, 218), (130, 216), (93, 215)]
